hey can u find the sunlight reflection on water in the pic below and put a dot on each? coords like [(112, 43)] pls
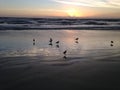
[(90, 43)]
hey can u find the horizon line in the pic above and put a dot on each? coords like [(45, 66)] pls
[(60, 17)]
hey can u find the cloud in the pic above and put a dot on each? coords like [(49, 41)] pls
[(92, 3)]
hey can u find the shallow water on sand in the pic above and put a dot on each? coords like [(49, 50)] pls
[(26, 65), (95, 43)]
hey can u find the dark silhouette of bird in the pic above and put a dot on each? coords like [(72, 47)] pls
[(57, 42), (65, 52), (33, 43), (50, 44), (77, 39), (65, 57), (76, 42), (50, 40), (57, 46), (33, 40), (111, 45), (112, 42)]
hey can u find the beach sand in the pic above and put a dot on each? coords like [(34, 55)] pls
[(90, 63), (31, 73)]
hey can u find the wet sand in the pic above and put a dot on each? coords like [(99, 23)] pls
[(33, 73), (90, 63)]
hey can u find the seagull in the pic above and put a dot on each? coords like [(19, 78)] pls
[(111, 45), (50, 40), (65, 57), (33, 43), (65, 52), (76, 42), (57, 46), (33, 39), (50, 44), (76, 38), (112, 42), (57, 42)]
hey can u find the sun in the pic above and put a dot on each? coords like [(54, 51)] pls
[(73, 13)]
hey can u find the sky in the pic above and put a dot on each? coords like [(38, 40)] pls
[(60, 8)]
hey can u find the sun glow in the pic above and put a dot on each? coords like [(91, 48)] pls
[(73, 13)]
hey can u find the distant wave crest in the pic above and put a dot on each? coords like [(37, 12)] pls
[(49, 23)]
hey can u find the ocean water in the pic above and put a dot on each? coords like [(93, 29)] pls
[(58, 23)]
